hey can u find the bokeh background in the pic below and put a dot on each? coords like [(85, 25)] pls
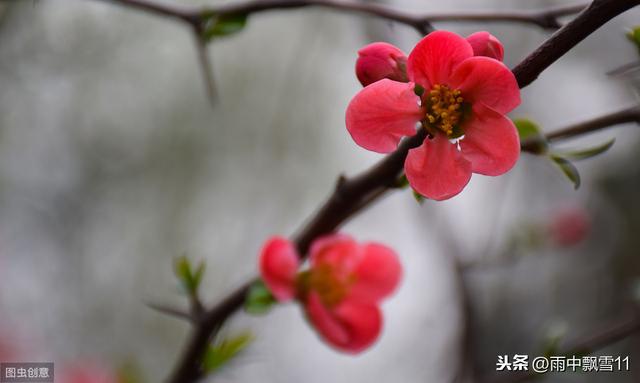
[(113, 163)]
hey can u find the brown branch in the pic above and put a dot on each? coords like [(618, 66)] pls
[(593, 17), (624, 116), (171, 311), (586, 345), (349, 194), (547, 18)]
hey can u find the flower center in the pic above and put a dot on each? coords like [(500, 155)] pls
[(324, 281), (444, 108)]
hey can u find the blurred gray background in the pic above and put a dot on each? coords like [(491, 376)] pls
[(113, 163)]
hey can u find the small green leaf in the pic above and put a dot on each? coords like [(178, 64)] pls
[(189, 279), (182, 269), (634, 36), (259, 299), (418, 197), (402, 182), (197, 275), (224, 25), (530, 134), (526, 128), (582, 154), (223, 351), (568, 169)]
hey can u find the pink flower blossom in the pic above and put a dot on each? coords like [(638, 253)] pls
[(340, 291), (381, 60), (569, 226), (463, 102)]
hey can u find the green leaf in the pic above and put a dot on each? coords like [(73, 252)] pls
[(197, 275), (634, 36), (530, 134), (418, 197), (224, 25), (259, 299), (568, 169), (402, 182), (219, 354), (189, 279), (582, 154)]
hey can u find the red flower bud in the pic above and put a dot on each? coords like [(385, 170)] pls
[(381, 60), (486, 44)]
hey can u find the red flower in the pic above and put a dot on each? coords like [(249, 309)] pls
[(569, 226), (340, 291), (462, 106)]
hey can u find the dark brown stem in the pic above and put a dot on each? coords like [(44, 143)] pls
[(547, 18), (593, 17), (624, 116)]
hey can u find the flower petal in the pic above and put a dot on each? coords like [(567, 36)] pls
[(382, 113), (491, 142), (377, 274), (350, 327), (437, 169), (339, 251), (486, 44), (433, 59), (486, 80), (278, 267)]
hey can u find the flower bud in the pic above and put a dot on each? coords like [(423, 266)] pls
[(377, 61), (486, 44)]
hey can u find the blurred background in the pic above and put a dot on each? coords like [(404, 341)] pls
[(113, 163)]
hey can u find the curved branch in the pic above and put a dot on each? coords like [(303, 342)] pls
[(593, 17), (349, 194), (421, 21)]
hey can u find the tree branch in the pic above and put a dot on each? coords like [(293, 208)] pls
[(593, 17), (624, 116), (547, 18)]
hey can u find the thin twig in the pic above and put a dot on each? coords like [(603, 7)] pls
[(205, 65), (171, 311), (624, 116), (421, 21)]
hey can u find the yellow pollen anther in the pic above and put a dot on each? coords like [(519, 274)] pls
[(444, 108)]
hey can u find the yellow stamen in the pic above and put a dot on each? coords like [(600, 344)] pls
[(444, 108)]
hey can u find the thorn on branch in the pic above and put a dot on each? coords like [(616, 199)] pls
[(171, 311)]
